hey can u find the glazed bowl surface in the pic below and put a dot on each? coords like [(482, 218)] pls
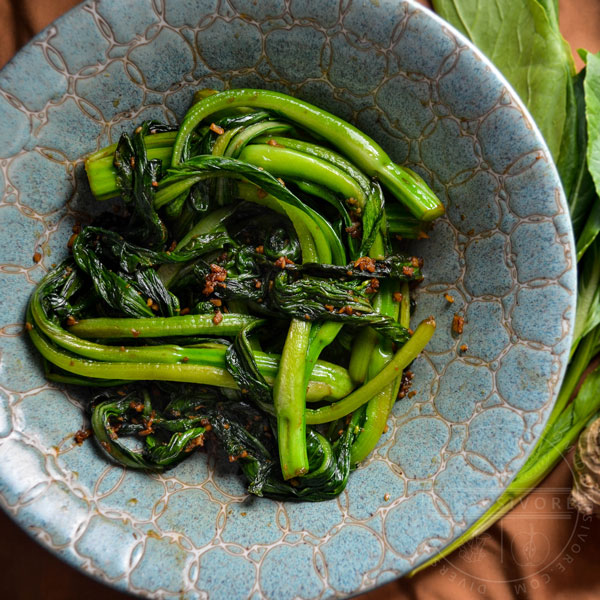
[(503, 251)]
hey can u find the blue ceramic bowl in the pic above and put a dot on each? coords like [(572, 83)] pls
[(504, 252)]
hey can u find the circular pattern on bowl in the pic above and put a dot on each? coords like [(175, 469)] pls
[(504, 252)]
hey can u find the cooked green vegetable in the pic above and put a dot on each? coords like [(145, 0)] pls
[(249, 248), (355, 145)]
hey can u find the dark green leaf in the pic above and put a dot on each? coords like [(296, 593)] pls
[(175, 450), (241, 364), (127, 294), (130, 257), (404, 268), (136, 178), (329, 300), (573, 167), (587, 316), (103, 415), (371, 220), (571, 159), (590, 230)]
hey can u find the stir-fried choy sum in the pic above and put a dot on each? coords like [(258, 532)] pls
[(252, 290)]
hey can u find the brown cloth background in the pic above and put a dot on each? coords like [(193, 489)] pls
[(541, 550)]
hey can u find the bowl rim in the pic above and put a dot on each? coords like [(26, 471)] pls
[(20, 58)]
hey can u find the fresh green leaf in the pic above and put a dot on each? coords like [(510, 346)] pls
[(572, 165), (571, 159), (587, 316), (590, 230), (520, 39), (551, 8), (592, 111)]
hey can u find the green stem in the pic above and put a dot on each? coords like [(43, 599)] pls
[(334, 253), (327, 381), (165, 139), (359, 148), (325, 154), (249, 133), (323, 193), (326, 334), (412, 191), (219, 148), (400, 222), (289, 390), (222, 142), (285, 162), (378, 408), (188, 373), (289, 394), (405, 306), (403, 357), (362, 349), (151, 327), (102, 174), (377, 412), (366, 340)]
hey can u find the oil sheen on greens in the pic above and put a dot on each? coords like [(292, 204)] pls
[(250, 289)]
